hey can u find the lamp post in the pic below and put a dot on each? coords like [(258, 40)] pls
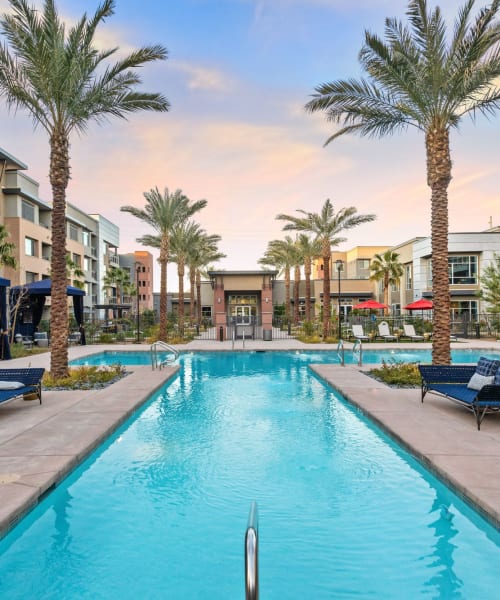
[(339, 264), (137, 271)]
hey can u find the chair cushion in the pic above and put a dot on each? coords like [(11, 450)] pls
[(497, 377), (477, 381), (11, 385), (487, 366)]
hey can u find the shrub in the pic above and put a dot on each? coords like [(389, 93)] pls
[(398, 374), (86, 378)]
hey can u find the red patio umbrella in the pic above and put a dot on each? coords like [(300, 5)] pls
[(422, 304), (369, 305)]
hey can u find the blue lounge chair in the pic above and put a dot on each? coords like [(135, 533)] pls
[(451, 381), (17, 382)]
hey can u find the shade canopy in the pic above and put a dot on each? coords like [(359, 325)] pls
[(369, 305), (44, 288), (422, 304)]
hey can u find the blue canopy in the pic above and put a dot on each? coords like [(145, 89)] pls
[(4, 322), (36, 292)]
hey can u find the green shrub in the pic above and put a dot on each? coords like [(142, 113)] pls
[(398, 374), (85, 378)]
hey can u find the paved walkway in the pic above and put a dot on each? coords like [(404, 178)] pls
[(40, 445)]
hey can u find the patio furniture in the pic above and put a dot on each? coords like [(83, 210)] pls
[(384, 332), (41, 339), (358, 333), (452, 381), (74, 338), (18, 382), (411, 333)]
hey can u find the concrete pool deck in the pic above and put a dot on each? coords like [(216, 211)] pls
[(41, 444)]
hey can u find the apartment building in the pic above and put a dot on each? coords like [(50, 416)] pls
[(139, 265)]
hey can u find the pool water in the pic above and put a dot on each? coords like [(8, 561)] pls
[(369, 356), (160, 511)]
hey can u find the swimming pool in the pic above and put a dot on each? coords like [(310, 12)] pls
[(160, 510), (135, 357)]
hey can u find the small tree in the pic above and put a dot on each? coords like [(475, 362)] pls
[(490, 285)]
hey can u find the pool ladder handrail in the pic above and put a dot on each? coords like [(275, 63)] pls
[(357, 347), (340, 352), (252, 555), (155, 363)]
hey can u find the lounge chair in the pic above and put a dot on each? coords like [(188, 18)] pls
[(41, 339), (411, 333), (384, 333), (359, 334), (74, 338), (451, 381), (17, 382)]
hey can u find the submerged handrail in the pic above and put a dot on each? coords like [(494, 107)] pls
[(154, 354), (252, 555), (358, 348), (340, 352)]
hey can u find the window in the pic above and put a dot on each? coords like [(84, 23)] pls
[(73, 232), (30, 246), (77, 259), (28, 211), (461, 309), (87, 263), (462, 270), (86, 238), (395, 309), (30, 277), (364, 263), (408, 277)]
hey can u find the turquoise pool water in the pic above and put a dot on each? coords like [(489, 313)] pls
[(160, 510), (369, 357)]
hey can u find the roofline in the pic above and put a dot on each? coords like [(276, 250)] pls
[(16, 164)]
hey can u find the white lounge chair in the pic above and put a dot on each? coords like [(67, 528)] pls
[(384, 333), (411, 333), (358, 333)]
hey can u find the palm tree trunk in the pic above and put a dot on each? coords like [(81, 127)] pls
[(386, 294), (198, 296), (296, 296), (180, 310), (438, 178), (162, 335), (287, 295), (59, 177), (307, 274), (192, 312), (326, 289)]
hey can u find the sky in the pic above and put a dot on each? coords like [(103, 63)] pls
[(238, 75)]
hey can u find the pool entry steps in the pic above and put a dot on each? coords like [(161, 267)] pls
[(158, 360), (252, 555)]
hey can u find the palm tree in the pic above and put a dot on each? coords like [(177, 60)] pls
[(117, 278), (163, 212), (326, 226), (310, 249), (7, 249), (61, 78), (74, 273), (426, 77), (203, 253), (298, 261), (184, 237), (281, 255), (386, 268)]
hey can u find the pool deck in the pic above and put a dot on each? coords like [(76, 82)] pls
[(41, 444)]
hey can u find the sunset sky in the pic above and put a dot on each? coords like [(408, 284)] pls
[(238, 75)]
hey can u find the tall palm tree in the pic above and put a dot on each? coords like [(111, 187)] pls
[(326, 226), (387, 269), (184, 236), (298, 261), (7, 249), (62, 79), (202, 254), (428, 78), (163, 212), (310, 249), (117, 279), (281, 255)]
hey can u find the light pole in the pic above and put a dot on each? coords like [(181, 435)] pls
[(137, 271), (339, 264)]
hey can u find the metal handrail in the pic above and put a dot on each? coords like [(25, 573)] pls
[(233, 336), (340, 352), (252, 555), (154, 354), (243, 339), (357, 347)]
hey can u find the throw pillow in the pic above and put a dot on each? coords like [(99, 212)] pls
[(487, 366), (497, 377), (477, 381), (11, 385)]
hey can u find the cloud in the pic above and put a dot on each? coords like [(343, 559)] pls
[(203, 78)]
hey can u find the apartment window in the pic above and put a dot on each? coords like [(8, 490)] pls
[(408, 277), (28, 211), (462, 270), (87, 263), (30, 246), (86, 238), (461, 309), (73, 232), (30, 277), (77, 259)]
